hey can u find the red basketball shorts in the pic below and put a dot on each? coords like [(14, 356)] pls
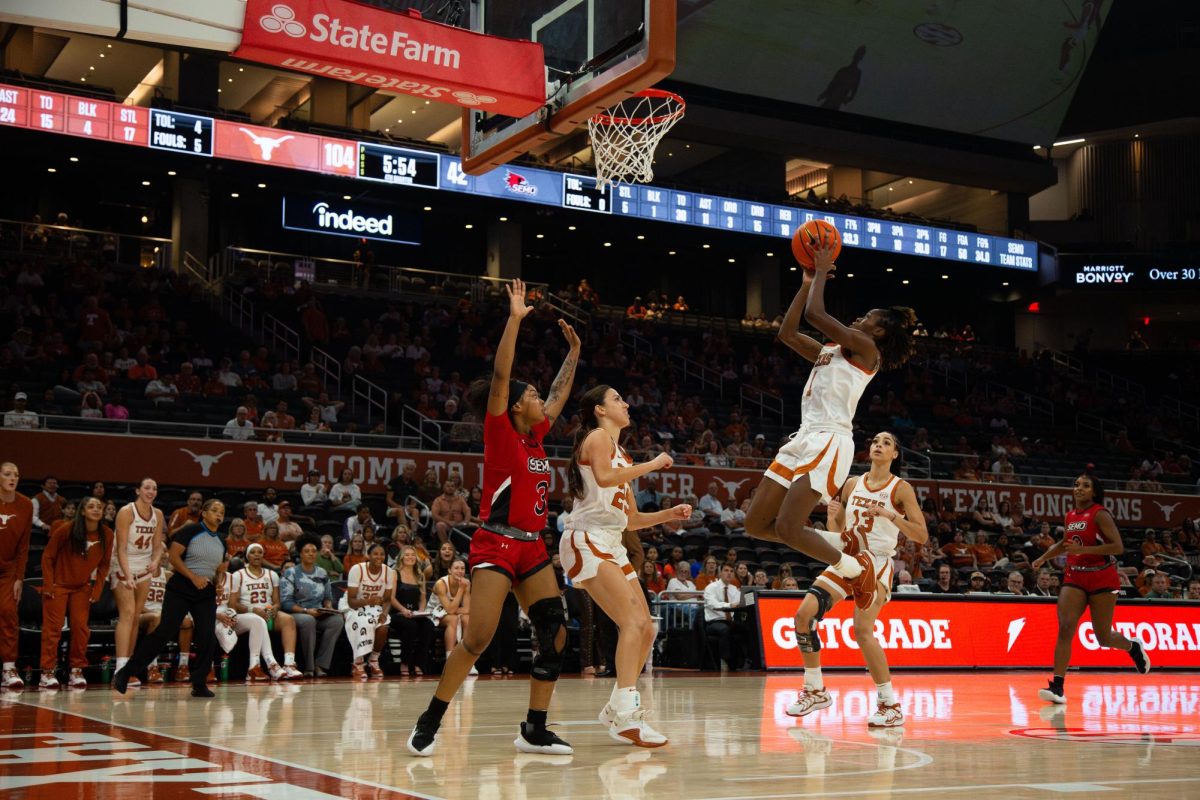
[(515, 558), (1092, 582)]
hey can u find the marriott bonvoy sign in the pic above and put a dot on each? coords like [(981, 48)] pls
[(397, 52)]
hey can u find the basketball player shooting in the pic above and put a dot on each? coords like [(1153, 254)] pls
[(814, 464)]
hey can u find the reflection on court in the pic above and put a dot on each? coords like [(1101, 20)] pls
[(967, 734)]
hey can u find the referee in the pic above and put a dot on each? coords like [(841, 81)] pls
[(197, 555)]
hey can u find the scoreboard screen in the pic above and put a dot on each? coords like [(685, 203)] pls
[(377, 162), (181, 133), (163, 129)]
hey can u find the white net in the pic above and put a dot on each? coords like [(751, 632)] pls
[(624, 138)]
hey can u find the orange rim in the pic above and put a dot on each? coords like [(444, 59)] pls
[(662, 94)]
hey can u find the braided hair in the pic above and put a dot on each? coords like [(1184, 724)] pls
[(896, 345)]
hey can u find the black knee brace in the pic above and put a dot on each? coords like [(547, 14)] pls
[(824, 601), (548, 618), (809, 641)]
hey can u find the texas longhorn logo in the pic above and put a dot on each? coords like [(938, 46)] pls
[(206, 462), (266, 145)]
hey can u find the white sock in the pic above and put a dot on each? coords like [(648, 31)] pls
[(10, 665), (183, 659), (289, 659), (253, 663), (626, 700), (813, 678), (886, 695), (121, 662), (154, 663), (848, 567)]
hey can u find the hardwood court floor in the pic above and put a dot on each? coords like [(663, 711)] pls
[(976, 735)]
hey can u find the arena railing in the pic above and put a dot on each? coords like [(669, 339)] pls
[(1030, 479), (330, 368), (762, 399), (568, 309), (373, 396), (192, 430), (280, 337), (341, 273), (39, 239), (1186, 413), (1032, 403)]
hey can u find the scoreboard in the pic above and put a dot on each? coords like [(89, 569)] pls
[(189, 134)]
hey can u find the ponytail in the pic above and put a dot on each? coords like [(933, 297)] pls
[(587, 416)]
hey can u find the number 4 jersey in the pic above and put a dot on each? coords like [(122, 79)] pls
[(516, 475)]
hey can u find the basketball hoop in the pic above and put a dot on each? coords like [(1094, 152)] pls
[(624, 137)]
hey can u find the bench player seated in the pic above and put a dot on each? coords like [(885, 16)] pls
[(866, 516)]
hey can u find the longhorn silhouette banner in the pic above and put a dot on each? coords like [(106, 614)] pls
[(253, 465)]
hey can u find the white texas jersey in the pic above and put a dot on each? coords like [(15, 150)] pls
[(158, 589), (864, 532), (603, 509), (831, 395), (371, 586), (255, 592), (141, 532)]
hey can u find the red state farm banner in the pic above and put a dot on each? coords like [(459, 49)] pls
[(219, 462), (979, 632), (397, 52)]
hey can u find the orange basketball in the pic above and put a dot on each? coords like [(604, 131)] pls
[(811, 235)]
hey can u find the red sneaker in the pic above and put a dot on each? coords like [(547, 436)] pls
[(183, 674)]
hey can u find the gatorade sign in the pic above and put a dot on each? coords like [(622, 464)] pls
[(982, 631)]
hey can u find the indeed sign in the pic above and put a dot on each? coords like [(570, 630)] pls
[(350, 221), (318, 215)]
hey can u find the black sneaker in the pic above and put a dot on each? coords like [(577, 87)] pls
[(202, 691), (539, 739), (1053, 693), (420, 741), (1138, 654), (120, 681)]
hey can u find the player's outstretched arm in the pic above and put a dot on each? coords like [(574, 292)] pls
[(507, 349), (856, 341), (560, 390), (596, 452), (806, 347)]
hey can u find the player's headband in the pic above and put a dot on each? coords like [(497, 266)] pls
[(255, 546), (516, 391)]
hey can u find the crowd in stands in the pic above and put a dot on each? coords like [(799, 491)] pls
[(88, 338)]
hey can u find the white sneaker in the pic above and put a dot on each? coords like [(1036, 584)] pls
[(607, 714), (808, 701), (291, 673), (9, 679), (886, 716), (48, 681), (632, 728), (473, 671), (276, 672), (77, 681)]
